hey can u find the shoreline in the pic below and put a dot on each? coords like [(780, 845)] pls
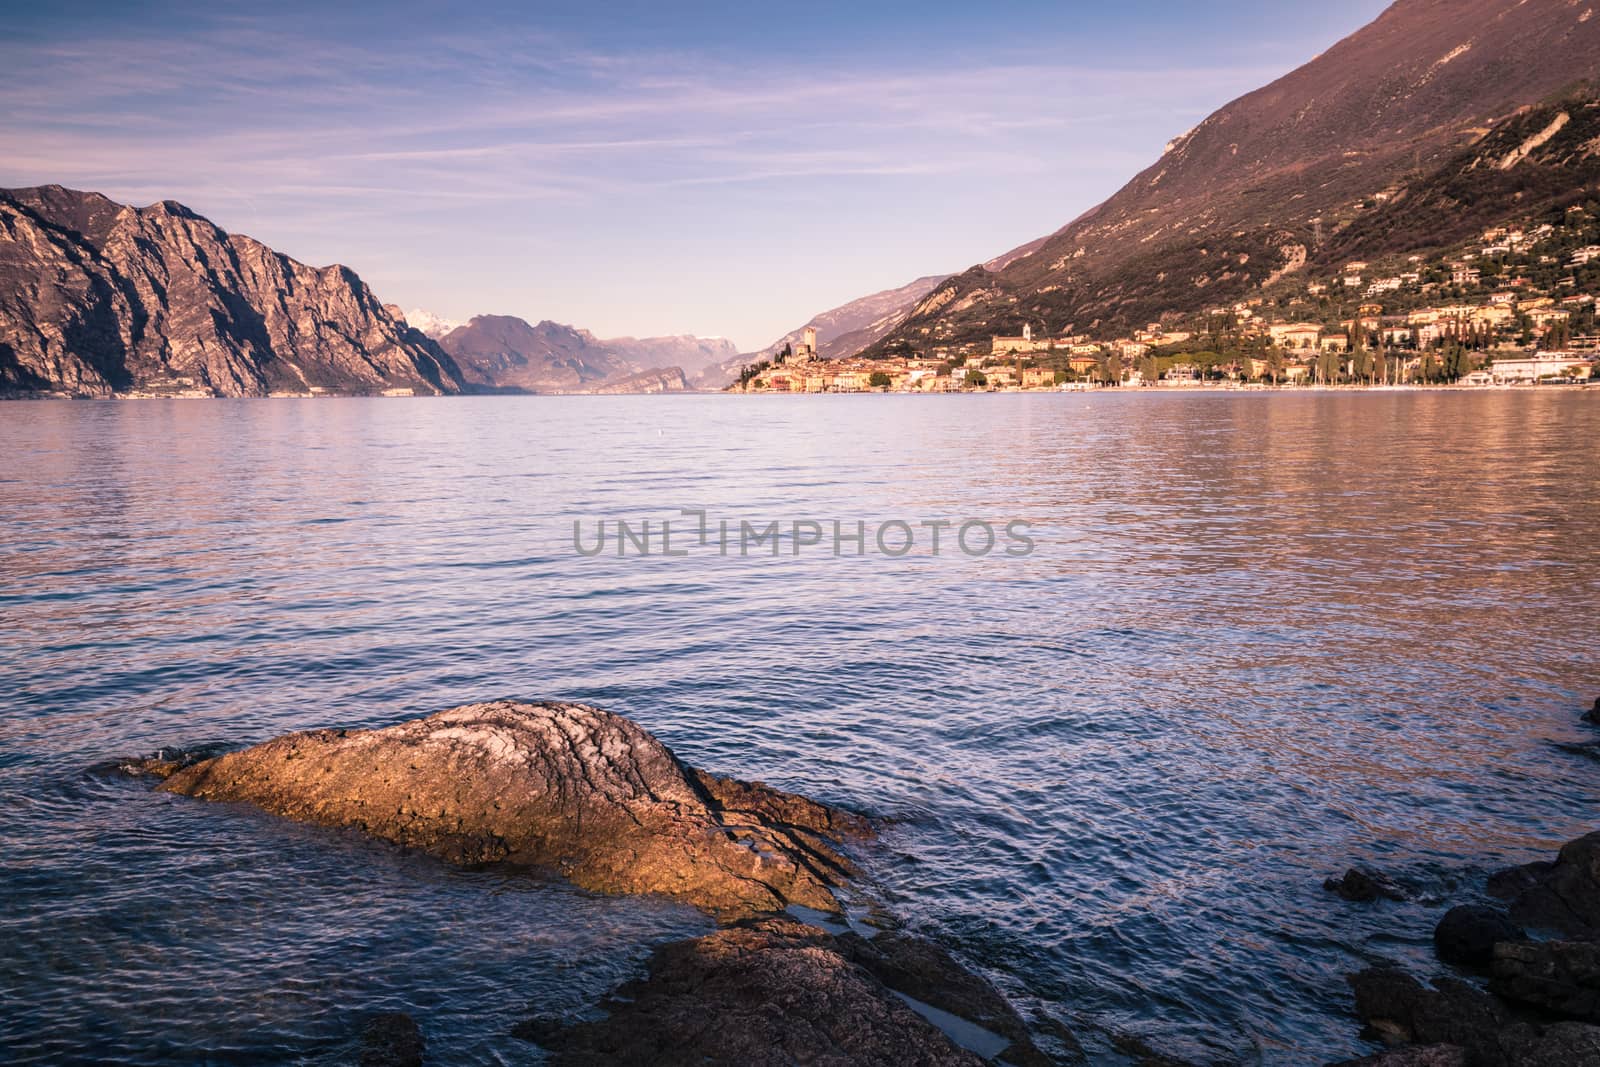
[(1159, 390)]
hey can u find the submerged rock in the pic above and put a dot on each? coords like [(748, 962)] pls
[(566, 787), (1593, 714), (1562, 896), (919, 969), (1361, 886), (1468, 934), (777, 992), (392, 1039)]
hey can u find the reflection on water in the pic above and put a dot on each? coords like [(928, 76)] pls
[(1262, 638)]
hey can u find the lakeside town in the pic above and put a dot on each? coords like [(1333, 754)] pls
[(1517, 307)]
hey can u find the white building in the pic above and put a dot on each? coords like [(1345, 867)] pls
[(1541, 365)]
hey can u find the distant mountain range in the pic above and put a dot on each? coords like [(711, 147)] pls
[(1353, 154), (501, 352), (101, 299)]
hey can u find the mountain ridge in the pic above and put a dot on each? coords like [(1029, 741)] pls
[(507, 353), (1263, 185), (99, 298)]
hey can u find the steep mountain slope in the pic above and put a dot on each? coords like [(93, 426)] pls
[(97, 298), (1541, 158), (851, 327), (841, 331), (659, 380), (1276, 180)]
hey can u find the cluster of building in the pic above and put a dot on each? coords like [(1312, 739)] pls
[(1517, 333)]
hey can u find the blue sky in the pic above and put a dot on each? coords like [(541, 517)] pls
[(634, 168)]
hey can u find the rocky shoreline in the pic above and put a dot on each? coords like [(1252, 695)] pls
[(788, 976), (1538, 948), (579, 792)]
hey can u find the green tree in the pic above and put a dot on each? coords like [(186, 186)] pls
[(1275, 364), (879, 379), (977, 379)]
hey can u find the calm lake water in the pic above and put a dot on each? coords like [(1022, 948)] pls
[(1261, 638)]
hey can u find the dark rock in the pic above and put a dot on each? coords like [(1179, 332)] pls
[(1593, 714), (769, 993), (926, 972), (1362, 885), (1399, 1010), (392, 1040), (1468, 934), (1558, 1045), (1142, 1055), (1414, 1056), (565, 787), (1589, 749), (1562, 896), (1562, 977)]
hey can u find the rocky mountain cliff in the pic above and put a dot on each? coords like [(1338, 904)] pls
[(1284, 178), (98, 298), (658, 380), (502, 352)]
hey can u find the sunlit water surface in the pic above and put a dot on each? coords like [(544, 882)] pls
[(1261, 638)]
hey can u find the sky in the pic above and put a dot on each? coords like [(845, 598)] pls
[(638, 169)]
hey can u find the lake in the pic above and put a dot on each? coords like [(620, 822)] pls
[(1257, 639)]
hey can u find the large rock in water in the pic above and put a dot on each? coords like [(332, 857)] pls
[(565, 787), (775, 992)]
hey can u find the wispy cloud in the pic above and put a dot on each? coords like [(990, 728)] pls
[(475, 151)]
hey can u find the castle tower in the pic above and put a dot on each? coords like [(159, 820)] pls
[(808, 340)]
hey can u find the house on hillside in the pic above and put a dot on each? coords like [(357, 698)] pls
[(1297, 336)]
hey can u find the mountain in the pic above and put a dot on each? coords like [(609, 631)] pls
[(505, 353), (841, 331), (1288, 178), (659, 380), (429, 323), (98, 298), (688, 353), (851, 327)]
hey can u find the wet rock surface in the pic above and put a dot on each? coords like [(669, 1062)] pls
[(1563, 895), (1468, 933), (775, 992), (564, 787), (1562, 977), (1543, 999), (1361, 885), (1400, 1010)]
